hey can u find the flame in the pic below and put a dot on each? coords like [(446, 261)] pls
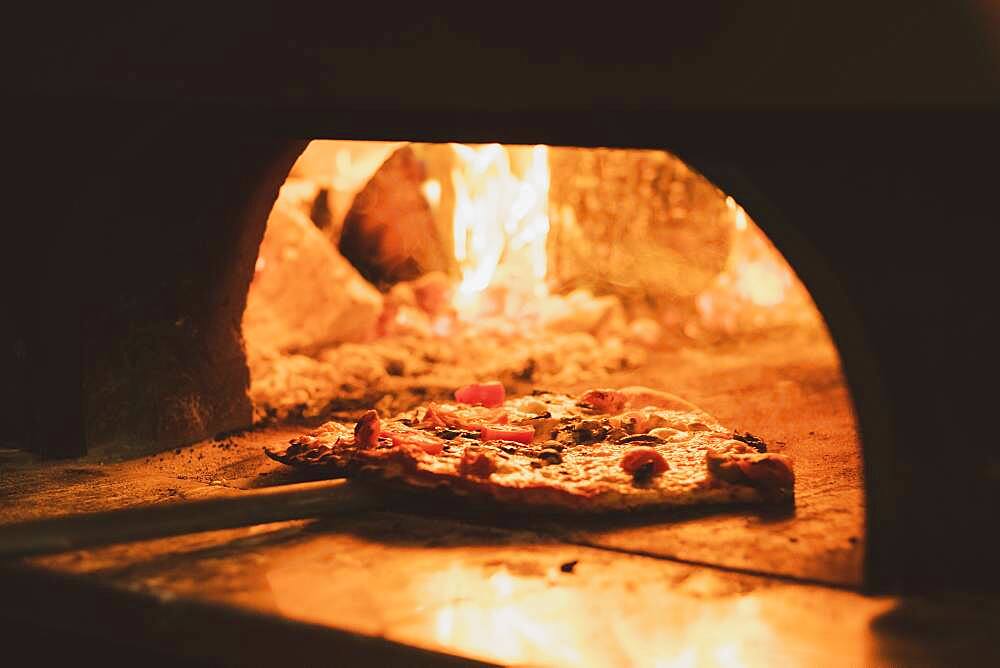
[(762, 282), (431, 188), (739, 215), (760, 275), (501, 221), (501, 225), (757, 288)]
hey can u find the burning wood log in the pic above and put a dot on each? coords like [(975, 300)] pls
[(389, 233), (260, 506)]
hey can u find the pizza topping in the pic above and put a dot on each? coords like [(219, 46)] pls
[(496, 432), (642, 438), (636, 422), (489, 394), (640, 456), (534, 406), (668, 434), (544, 425), (616, 434), (328, 432), (639, 397), (643, 474), (366, 431), (589, 431), (550, 456), (602, 401), (477, 462), (402, 435), (751, 440), (633, 422), (470, 418), (615, 401)]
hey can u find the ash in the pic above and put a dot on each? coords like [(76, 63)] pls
[(398, 372)]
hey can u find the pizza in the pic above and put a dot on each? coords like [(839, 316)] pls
[(604, 450)]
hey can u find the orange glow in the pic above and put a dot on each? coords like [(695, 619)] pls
[(760, 274), (521, 619), (470, 601), (500, 229), (431, 189), (762, 282), (486, 617), (501, 221), (356, 161), (757, 287), (490, 204)]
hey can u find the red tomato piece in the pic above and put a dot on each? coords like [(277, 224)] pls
[(640, 456), (489, 394)]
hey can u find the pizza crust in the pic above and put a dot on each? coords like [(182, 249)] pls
[(574, 462)]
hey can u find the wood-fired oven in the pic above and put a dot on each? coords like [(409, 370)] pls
[(150, 165)]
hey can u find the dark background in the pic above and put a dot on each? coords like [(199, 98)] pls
[(862, 137)]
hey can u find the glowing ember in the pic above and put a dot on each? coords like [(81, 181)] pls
[(501, 223)]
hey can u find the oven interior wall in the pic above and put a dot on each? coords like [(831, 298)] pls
[(186, 294), (127, 333)]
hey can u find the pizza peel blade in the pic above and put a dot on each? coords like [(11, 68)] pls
[(259, 506)]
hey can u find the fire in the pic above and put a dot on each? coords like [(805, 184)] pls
[(760, 274), (646, 257), (500, 228), (762, 282), (501, 221), (756, 287)]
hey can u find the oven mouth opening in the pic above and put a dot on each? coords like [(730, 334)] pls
[(392, 273), (404, 269)]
